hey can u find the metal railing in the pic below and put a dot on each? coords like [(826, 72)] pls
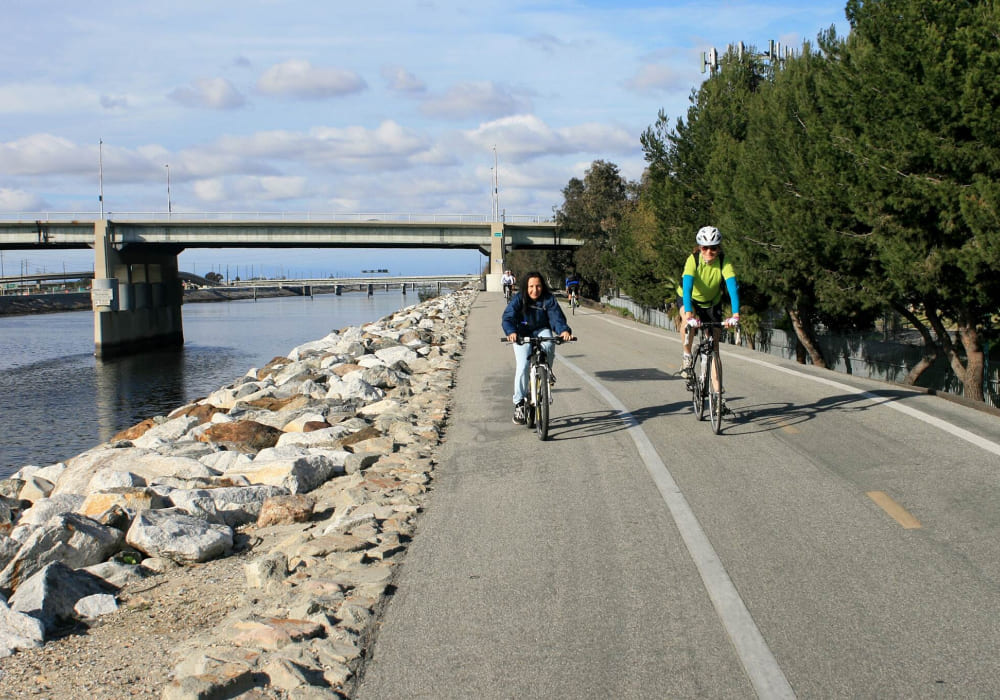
[(883, 360), (297, 216)]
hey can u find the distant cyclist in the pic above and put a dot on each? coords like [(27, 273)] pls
[(701, 291), (534, 312), (573, 288), (508, 283)]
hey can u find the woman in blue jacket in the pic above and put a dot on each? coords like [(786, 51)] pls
[(532, 312)]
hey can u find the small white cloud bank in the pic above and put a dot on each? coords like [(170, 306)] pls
[(209, 93), (301, 80), (476, 100), (398, 79)]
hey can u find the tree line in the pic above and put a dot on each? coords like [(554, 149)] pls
[(856, 178)]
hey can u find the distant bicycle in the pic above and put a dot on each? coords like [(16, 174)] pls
[(704, 379), (574, 302), (508, 290), (539, 396)]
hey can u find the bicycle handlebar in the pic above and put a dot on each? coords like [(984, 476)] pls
[(531, 340)]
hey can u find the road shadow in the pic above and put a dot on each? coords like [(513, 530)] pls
[(638, 374), (593, 423), (764, 417)]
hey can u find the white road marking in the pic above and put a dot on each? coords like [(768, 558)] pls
[(949, 428), (761, 667)]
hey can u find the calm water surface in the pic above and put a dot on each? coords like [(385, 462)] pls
[(57, 399)]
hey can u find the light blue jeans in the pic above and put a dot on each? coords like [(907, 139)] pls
[(521, 355)]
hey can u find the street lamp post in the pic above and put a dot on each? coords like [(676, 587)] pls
[(167, 166)]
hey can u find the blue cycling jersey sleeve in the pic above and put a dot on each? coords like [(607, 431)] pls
[(687, 284), (734, 294)]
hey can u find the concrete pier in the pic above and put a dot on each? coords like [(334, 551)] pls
[(137, 296)]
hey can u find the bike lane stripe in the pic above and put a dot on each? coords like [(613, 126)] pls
[(944, 425), (758, 661)]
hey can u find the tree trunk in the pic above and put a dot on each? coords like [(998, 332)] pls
[(930, 347), (972, 379), (805, 336)]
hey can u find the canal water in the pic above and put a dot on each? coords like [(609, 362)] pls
[(57, 399)]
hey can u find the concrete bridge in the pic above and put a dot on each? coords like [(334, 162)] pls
[(137, 290)]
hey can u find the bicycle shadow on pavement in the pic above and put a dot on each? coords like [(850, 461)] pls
[(758, 418), (637, 374), (594, 423)]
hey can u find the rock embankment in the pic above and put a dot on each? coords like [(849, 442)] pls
[(284, 500)]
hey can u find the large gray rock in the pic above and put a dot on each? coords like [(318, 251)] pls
[(290, 468), (174, 535), (52, 593), (18, 631), (71, 539), (233, 506)]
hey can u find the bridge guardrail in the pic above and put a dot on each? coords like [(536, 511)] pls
[(237, 216)]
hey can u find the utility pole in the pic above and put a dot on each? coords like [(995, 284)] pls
[(167, 166), (496, 187), (100, 174)]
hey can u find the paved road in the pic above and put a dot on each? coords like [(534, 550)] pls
[(840, 539)]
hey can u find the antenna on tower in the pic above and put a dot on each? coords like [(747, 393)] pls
[(776, 54)]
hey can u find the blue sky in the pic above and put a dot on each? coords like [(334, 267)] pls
[(385, 106)]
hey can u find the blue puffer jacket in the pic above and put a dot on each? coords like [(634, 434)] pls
[(525, 318)]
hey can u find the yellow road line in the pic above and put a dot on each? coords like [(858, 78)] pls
[(895, 511)]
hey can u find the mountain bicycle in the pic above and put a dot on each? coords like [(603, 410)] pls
[(704, 379), (539, 396)]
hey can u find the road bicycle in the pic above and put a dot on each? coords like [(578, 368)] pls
[(704, 379), (574, 302), (539, 396), (508, 291)]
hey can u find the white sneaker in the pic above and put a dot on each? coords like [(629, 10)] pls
[(686, 364)]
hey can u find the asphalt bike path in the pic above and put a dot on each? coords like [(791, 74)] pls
[(839, 539)]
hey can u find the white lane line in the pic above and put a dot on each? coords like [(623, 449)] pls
[(759, 663), (950, 428)]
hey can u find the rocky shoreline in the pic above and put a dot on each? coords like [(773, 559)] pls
[(245, 543)]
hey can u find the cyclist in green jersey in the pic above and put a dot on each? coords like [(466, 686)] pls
[(700, 291)]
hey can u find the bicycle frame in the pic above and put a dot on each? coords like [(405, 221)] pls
[(707, 380), (539, 396)]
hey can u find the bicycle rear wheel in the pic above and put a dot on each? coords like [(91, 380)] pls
[(715, 395), (697, 388), (542, 405)]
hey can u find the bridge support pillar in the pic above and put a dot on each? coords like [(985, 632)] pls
[(497, 249), (136, 296)]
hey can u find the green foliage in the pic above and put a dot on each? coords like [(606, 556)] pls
[(593, 209), (863, 175)]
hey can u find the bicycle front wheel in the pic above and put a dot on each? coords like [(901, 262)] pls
[(715, 393), (697, 388), (542, 407)]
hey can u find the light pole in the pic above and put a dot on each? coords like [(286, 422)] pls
[(167, 166)]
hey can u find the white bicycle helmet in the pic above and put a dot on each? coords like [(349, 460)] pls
[(708, 235)]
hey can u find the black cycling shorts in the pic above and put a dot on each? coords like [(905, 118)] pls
[(705, 314)]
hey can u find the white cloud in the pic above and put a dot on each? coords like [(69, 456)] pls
[(479, 99), (210, 93), (19, 200), (525, 136), (398, 79), (40, 154), (303, 80), (659, 78), (18, 98)]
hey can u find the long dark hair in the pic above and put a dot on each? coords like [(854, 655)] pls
[(522, 286)]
